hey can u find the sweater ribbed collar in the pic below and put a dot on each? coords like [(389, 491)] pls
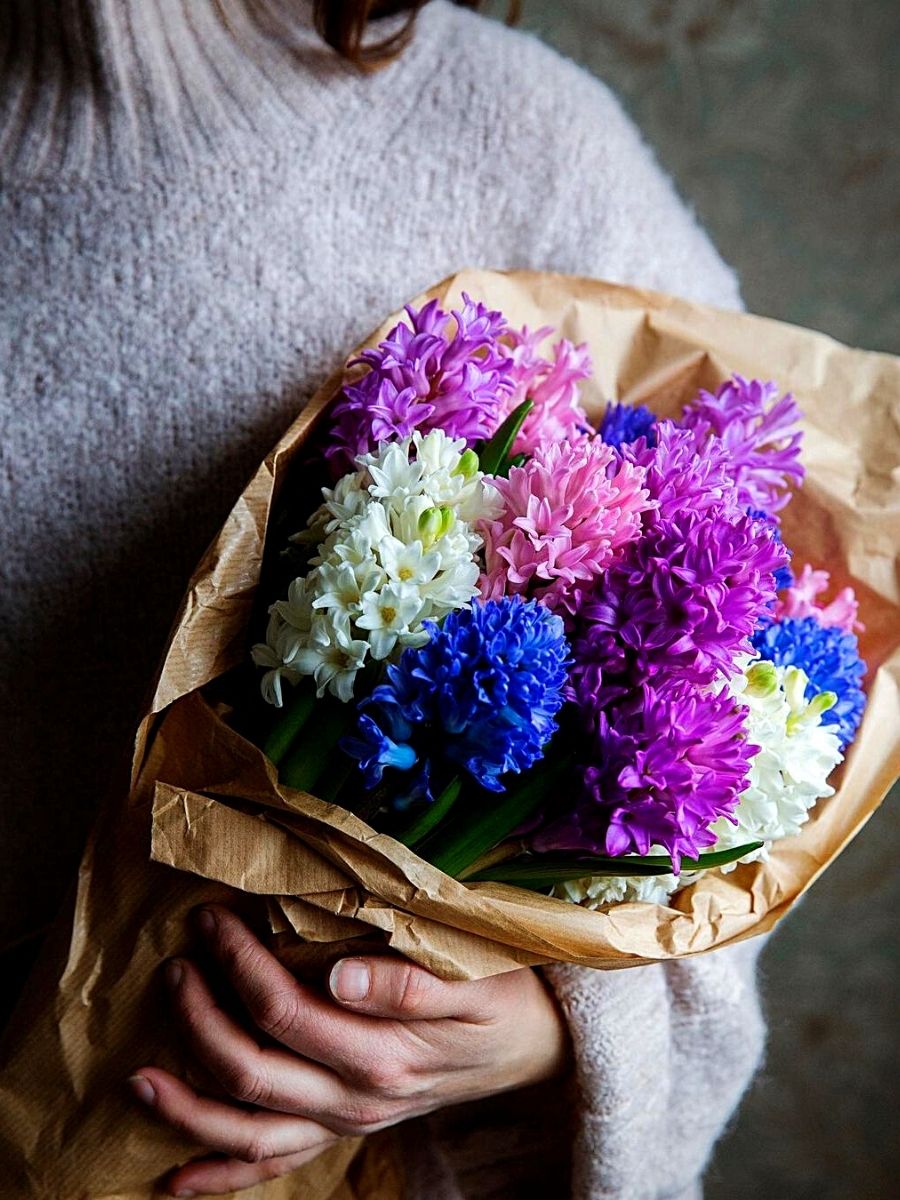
[(164, 79)]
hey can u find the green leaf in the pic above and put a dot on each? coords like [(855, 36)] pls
[(290, 721), (470, 835), (493, 455), (312, 753), (432, 816), (543, 871)]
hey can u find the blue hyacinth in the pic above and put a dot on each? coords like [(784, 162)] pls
[(624, 423), (829, 656), (480, 697), (784, 576)]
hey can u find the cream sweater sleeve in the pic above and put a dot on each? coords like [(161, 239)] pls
[(662, 1056)]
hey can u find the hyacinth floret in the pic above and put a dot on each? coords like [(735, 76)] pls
[(623, 424), (666, 761), (784, 576), (567, 513), (681, 604), (801, 599), (481, 696), (759, 429), (438, 371), (829, 656), (552, 386), (679, 476)]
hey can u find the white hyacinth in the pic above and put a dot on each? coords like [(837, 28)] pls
[(396, 547), (798, 751)]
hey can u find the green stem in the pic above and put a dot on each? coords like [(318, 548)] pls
[(292, 719), (468, 838), (310, 754), (545, 871), (431, 817)]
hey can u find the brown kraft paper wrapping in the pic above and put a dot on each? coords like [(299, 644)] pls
[(206, 819)]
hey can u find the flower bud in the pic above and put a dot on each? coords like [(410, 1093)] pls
[(467, 465), (430, 525), (762, 679)]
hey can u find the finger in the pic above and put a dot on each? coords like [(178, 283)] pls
[(249, 1136), (217, 1177), (393, 987), (262, 1076), (278, 1005)]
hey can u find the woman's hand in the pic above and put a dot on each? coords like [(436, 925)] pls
[(394, 1042)]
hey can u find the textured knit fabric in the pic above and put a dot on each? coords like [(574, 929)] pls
[(201, 210)]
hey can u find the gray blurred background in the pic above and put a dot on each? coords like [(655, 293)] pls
[(779, 121)]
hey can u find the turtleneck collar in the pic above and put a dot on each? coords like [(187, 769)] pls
[(125, 78)]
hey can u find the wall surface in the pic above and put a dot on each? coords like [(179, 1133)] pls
[(780, 122)]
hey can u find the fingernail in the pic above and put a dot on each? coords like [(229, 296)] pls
[(143, 1089), (350, 980), (184, 1194), (174, 971), (206, 920)]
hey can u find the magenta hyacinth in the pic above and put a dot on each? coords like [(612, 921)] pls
[(441, 371), (682, 604), (567, 513), (679, 476), (666, 762), (760, 431)]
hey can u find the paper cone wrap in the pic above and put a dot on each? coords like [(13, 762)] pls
[(206, 819)]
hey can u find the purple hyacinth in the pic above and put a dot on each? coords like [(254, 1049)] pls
[(681, 604), (759, 430), (667, 760), (680, 476), (441, 371)]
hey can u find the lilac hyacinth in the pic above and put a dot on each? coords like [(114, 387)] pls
[(480, 697), (682, 603), (666, 761), (830, 657), (760, 430), (625, 423), (440, 371)]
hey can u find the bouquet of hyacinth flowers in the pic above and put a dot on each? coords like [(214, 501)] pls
[(574, 659)]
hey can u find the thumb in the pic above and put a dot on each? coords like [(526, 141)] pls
[(393, 987)]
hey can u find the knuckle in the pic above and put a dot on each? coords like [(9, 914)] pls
[(246, 1084), (277, 1012), (257, 1150), (364, 1116), (414, 987), (385, 1080)]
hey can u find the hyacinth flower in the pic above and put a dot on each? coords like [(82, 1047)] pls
[(801, 599), (475, 705), (682, 604), (623, 424), (566, 514), (665, 762), (443, 371), (760, 430), (829, 657), (551, 384)]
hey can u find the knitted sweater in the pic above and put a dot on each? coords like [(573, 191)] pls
[(201, 209)]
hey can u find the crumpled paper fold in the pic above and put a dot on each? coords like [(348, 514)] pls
[(206, 819)]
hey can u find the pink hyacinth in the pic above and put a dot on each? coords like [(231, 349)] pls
[(566, 513), (552, 383), (800, 601)]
